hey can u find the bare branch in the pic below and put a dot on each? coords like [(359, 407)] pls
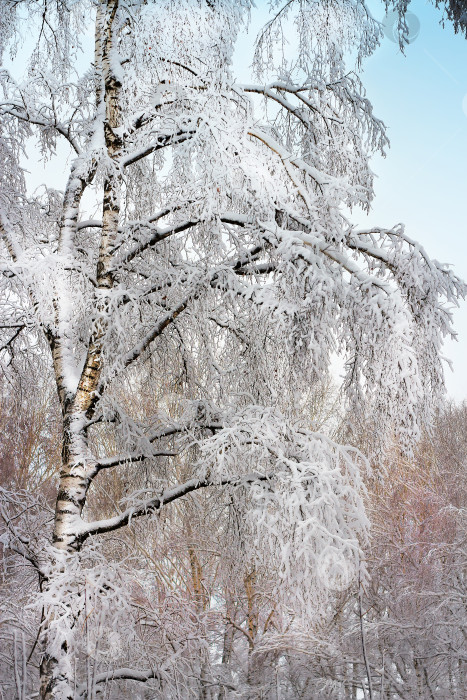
[(169, 431), (132, 458), (159, 234)]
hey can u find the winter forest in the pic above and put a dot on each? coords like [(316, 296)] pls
[(229, 468)]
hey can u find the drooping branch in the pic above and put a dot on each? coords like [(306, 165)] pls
[(397, 233), (304, 240), (161, 233), (237, 266), (288, 158), (269, 92)]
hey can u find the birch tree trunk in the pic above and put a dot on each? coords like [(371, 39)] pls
[(78, 469)]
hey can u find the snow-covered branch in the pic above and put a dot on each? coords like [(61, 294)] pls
[(169, 495), (121, 674), (162, 141), (18, 111)]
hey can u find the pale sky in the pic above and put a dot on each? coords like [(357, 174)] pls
[(422, 98)]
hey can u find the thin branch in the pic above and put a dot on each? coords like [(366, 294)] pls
[(237, 266), (277, 97), (362, 634), (138, 349), (180, 65), (287, 158), (13, 338), (330, 252), (161, 234), (240, 629), (22, 543), (131, 458)]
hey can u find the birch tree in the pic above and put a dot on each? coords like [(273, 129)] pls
[(200, 235)]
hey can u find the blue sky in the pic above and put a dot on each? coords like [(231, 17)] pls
[(422, 98)]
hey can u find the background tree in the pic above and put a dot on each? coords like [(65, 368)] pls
[(412, 604)]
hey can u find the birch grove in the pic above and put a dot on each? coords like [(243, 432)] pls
[(185, 291)]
